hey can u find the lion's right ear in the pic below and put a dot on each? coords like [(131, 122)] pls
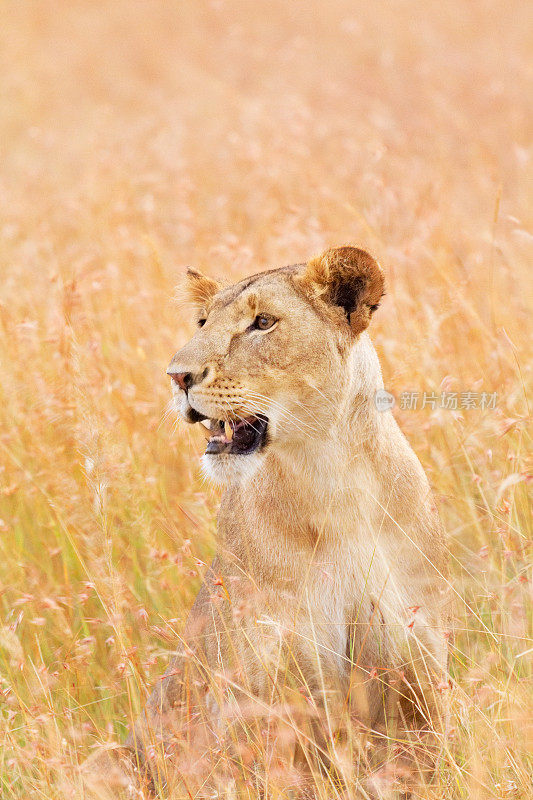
[(200, 289)]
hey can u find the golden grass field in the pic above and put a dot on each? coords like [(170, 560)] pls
[(137, 138)]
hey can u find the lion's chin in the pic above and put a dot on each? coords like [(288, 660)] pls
[(226, 468)]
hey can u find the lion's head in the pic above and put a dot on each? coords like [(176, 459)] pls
[(272, 361)]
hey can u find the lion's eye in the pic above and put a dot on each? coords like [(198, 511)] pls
[(264, 322), (201, 323)]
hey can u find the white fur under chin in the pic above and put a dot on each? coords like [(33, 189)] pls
[(224, 469)]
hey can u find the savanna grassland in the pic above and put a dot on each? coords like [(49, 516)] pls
[(137, 138)]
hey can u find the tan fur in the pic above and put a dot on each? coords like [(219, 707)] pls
[(330, 576), (200, 288)]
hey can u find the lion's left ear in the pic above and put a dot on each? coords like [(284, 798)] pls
[(200, 288), (348, 278)]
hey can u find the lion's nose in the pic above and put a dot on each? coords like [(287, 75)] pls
[(186, 379), (183, 379)]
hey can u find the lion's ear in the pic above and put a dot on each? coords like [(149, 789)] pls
[(199, 288), (348, 278)]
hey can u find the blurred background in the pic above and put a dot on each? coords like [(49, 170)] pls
[(137, 138)]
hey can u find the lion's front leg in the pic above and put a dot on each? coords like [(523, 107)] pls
[(284, 692), (411, 727)]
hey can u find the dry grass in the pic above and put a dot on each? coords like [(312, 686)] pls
[(139, 137)]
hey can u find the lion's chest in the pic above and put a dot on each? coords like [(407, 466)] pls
[(321, 569)]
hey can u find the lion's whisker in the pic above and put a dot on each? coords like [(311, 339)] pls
[(270, 401)]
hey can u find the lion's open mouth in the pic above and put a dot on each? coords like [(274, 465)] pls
[(237, 437)]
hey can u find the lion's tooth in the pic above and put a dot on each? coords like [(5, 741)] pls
[(205, 430), (206, 423)]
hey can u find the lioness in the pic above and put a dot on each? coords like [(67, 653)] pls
[(330, 578)]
